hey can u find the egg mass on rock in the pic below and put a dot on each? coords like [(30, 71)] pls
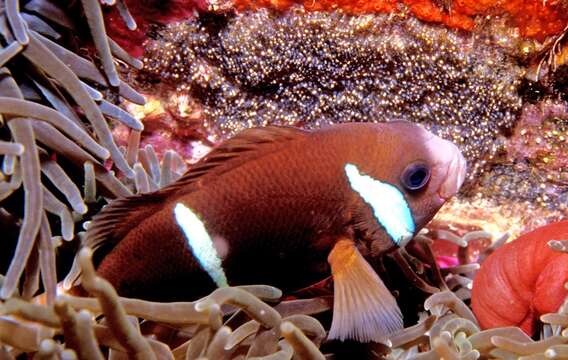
[(316, 68)]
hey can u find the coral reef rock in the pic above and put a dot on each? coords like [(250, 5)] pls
[(315, 68)]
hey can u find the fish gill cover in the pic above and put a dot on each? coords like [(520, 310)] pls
[(63, 98)]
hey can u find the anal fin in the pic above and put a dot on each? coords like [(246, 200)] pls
[(363, 307)]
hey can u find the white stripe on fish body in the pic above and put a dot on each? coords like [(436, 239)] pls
[(388, 203), (200, 243)]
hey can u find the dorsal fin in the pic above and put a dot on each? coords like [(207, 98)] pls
[(247, 145), (117, 219)]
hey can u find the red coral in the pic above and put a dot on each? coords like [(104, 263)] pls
[(522, 280), (535, 18)]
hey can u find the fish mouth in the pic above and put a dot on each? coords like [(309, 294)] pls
[(455, 176)]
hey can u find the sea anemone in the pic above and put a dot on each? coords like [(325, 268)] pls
[(55, 104), (522, 280), (253, 327)]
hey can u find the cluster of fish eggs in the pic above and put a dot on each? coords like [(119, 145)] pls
[(316, 68), (550, 141), (525, 184), (542, 175)]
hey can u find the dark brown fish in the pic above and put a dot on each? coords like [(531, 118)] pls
[(284, 207)]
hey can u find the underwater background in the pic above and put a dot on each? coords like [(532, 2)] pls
[(102, 100)]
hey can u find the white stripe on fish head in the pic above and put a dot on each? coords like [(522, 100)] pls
[(387, 202), (200, 243)]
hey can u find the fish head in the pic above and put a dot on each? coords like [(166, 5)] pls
[(409, 173), (429, 170)]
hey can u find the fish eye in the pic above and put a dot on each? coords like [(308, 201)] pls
[(415, 176)]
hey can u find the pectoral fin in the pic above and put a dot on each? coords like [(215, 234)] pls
[(363, 308)]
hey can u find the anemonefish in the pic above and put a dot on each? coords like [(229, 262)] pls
[(285, 207), (522, 280)]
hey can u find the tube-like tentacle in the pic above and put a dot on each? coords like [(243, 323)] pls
[(61, 180), (121, 115), (36, 111), (33, 203), (37, 53), (7, 53), (136, 346), (56, 207), (11, 148), (16, 21), (94, 15), (123, 55), (47, 261)]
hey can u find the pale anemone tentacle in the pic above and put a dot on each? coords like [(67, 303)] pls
[(61, 180), (37, 53), (126, 16), (87, 70), (47, 261), (134, 343), (216, 349), (241, 333), (37, 24), (141, 179), (167, 170), (16, 21), (51, 12), (59, 143), (47, 350), (9, 164), (31, 274), (93, 93), (22, 133), (8, 187), (58, 101), (11, 148), (132, 147), (111, 182), (9, 52), (33, 203), (47, 96), (119, 114), (54, 206), (121, 54), (78, 336), (121, 332), (302, 346), (150, 161), (94, 16), (25, 108)]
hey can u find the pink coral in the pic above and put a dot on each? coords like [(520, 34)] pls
[(541, 136)]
